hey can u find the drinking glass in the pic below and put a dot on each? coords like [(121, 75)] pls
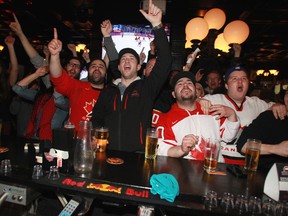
[(101, 134), (53, 173), (211, 154), (254, 206), (37, 171), (241, 204), (211, 199), (252, 154), (268, 207), (6, 166), (227, 202), (281, 209), (151, 143)]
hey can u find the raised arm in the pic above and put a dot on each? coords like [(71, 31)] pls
[(13, 70), (42, 71), (106, 29), (16, 27), (36, 59), (55, 47), (154, 15), (72, 48)]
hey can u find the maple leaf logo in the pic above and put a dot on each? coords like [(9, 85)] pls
[(89, 108), (198, 152)]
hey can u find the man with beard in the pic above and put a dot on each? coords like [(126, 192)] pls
[(82, 95), (184, 129), (247, 108)]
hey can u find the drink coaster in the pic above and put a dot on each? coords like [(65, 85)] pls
[(114, 160), (3, 149), (216, 172)]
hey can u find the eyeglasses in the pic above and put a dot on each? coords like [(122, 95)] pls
[(74, 65)]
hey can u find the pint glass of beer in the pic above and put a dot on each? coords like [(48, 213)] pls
[(211, 153), (252, 154), (101, 134), (151, 143), (70, 127)]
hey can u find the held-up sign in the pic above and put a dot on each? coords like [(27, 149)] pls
[(276, 182)]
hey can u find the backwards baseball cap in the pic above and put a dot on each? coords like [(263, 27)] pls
[(232, 69), (128, 50), (183, 74)]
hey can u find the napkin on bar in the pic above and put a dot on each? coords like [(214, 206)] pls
[(166, 185)]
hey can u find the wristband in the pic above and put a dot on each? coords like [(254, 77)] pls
[(157, 27)]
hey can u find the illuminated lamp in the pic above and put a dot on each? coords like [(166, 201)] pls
[(215, 18), (236, 32)]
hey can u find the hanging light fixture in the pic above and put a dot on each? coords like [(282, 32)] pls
[(236, 32)]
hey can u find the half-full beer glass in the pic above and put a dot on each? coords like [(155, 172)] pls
[(151, 143), (211, 153), (252, 154), (101, 134)]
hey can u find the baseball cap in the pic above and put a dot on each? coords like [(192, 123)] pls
[(183, 74), (235, 68), (128, 50)]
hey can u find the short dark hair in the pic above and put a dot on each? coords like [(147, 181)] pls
[(182, 74), (76, 58), (100, 59)]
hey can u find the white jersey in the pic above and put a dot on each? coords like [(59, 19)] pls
[(250, 108), (177, 123)]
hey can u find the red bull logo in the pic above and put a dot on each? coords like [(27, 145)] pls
[(137, 193), (105, 188), (73, 183)]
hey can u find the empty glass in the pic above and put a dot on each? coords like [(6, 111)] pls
[(281, 209), (6, 166), (227, 202), (37, 171), (254, 206), (211, 200), (268, 207), (241, 204), (83, 153), (53, 173)]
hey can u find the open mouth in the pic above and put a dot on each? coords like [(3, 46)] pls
[(240, 88)]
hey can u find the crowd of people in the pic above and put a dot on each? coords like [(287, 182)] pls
[(127, 96)]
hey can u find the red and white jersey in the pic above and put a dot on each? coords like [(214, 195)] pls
[(177, 123), (250, 108)]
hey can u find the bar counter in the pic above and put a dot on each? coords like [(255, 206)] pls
[(129, 183)]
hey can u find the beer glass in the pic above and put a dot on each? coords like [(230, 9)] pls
[(101, 134), (70, 127), (151, 143), (252, 154), (211, 153)]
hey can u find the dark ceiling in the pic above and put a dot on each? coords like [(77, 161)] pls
[(79, 20)]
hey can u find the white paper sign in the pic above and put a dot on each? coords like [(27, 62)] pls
[(276, 182)]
